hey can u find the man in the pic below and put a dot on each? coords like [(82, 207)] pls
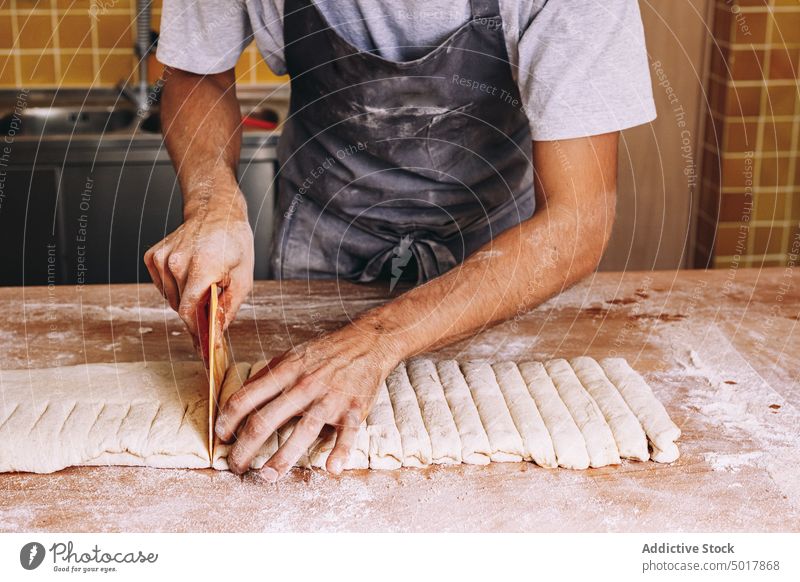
[(415, 132)]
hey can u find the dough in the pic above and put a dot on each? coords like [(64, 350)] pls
[(445, 442), (652, 415), (408, 418), (505, 442), (628, 433), (154, 413), (599, 441), (529, 423), (568, 443), (475, 448), (385, 447)]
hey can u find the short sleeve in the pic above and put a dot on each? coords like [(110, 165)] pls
[(583, 69), (203, 36)]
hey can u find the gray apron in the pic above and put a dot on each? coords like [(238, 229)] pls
[(397, 170)]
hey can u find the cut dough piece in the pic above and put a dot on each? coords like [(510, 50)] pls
[(529, 423), (445, 442), (628, 434), (652, 415), (359, 457), (504, 439), (599, 441), (385, 446), (414, 437), (234, 379), (475, 447), (568, 443), (144, 413)]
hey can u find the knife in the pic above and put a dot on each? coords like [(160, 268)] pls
[(214, 349)]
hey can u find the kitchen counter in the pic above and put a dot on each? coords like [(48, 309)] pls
[(719, 348)]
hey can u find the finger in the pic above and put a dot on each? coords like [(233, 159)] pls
[(149, 262), (178, 266), (169, 288), (251, 396), (345, 441), (198, 281), (261, 424), (267, 369), (303, 436), (234, 294)]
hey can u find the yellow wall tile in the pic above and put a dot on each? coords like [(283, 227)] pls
[(35, 31), (75, 31), (6, 32), (115, 31), (38, 70), (77, 70)]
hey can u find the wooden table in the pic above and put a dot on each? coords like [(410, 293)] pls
[(719, 348)]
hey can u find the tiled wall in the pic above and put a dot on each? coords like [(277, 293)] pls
[(749, 208), (80, 43)]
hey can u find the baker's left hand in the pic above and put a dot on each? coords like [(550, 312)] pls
[(331, 380)]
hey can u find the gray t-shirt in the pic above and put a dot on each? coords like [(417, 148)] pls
[(581, 66)]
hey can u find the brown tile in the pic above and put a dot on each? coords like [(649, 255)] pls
[(778, 135), (740, 136), (743, 101), (784, 63), (733, 206), (730, 240), (75, 31), (37, 70), (6, 32), (7, 77), (113, 68), (774, 171), (770, 206), (76, 69), (795, 201), (767, 240), (712, 167), (35, 31), (723, 21), (714, 134), (749, 28), (719, 61), (781, 100), (747, 65), (114, 31), (786, 28), (734, 172)]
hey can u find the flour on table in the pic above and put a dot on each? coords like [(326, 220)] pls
[(572, 414)]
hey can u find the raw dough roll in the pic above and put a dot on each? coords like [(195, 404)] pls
[(628, 434), (445, 442), (414, 437), (568, 443), (503, 436), (652, 415), (599, 441), (529, 423), (385, 447), (475, 447)]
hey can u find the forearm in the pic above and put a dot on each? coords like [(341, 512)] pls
[(202, 132), (561, 244)]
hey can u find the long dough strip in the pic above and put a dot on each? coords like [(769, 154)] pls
[(445, 442), (475, 447), (652, 415), (628, 434), (568, 442), (414, 437), (503, 436), (529, 423), (385, 446)]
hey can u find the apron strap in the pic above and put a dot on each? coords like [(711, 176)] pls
[(484, 8)]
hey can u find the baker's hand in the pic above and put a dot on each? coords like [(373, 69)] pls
[(329, 381), (213, 245)]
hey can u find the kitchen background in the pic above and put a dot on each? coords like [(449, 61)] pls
[(713, 182)]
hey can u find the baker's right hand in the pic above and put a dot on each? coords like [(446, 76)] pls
[(213, 245)]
